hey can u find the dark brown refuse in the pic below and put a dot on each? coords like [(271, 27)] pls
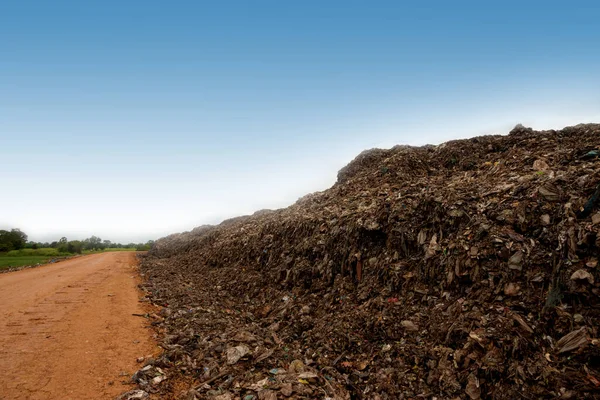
[(464, 270)]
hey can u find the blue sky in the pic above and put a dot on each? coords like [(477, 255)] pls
[(134, 119)]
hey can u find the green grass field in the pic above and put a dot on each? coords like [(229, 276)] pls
[(26, 257), (20, 261), (47, 252)]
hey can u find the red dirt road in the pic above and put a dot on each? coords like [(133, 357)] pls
[(67, 330)]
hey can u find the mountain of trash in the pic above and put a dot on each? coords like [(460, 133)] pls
[(467, 270)]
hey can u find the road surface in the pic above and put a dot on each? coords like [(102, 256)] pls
[(67, 329)]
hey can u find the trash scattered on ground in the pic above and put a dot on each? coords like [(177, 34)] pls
[(466, 270), (133, 395)]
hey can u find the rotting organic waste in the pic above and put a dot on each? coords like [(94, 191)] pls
[(461, 271)]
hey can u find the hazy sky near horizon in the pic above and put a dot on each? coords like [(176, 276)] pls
[(135, 119)]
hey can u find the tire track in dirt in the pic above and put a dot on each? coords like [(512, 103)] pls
[(67, 330)]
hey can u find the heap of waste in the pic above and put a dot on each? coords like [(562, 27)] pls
[(466, 270)]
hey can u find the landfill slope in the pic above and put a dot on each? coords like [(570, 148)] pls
[(461, 271)]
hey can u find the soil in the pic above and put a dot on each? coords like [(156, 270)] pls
[(67, 329), (467, 270)]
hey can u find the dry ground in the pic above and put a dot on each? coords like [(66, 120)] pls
[(67, 329)]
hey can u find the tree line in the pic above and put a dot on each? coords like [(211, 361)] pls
[(16, 239)]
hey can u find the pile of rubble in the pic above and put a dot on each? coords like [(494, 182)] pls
[(466, 270)]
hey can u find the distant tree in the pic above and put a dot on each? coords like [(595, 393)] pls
[(75, 246), (5, 242), (63, 245), (14, 239), (144, 246), (92, 243), (19, 238)]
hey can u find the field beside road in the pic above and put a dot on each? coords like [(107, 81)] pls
[(32, 257), (22, 261), (29, 257)]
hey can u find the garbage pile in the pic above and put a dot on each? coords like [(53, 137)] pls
[(467, 270)]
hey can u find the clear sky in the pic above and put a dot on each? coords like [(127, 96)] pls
[(134, 119)]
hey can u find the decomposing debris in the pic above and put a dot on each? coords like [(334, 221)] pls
[(466, 270)]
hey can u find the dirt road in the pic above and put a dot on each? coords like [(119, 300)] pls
[(67, 330)]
